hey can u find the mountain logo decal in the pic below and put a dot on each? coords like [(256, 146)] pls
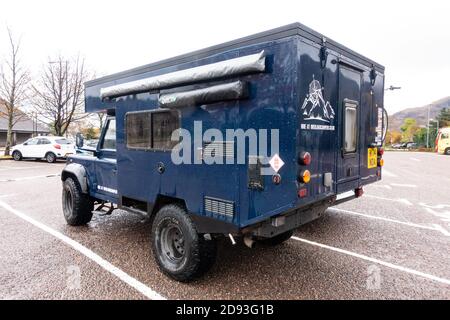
[(315, 107)]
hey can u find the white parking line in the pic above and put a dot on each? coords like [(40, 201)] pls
[(410, 224), (388, 173), (136, 284), (19, 168), (415, 159), (8, 195), (384, 186), (441, 229), (404, 201), (403, 185), (31, 178), (377, 261), (438, 206)]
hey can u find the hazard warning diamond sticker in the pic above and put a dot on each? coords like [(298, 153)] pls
[(276, 163)]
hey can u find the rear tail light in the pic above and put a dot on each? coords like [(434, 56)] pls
[(304, 158), (381, 151), (302, 193), (304, 176), (57, 146)]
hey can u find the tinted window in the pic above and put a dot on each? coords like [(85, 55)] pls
[(109, 141), (44, 141), (445, 136), (63, 141), (139, 130), (163, 124), (151, 130), (351, 127), (32, 142)]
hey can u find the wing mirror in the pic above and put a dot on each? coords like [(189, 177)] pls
[(79, 140)]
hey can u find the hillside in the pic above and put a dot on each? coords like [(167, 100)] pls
[(419, 113)]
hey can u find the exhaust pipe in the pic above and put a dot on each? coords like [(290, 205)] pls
[(249, 242)]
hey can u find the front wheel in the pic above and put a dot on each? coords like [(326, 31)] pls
[(77, 206), (17, 156), (181, 253), (50, 157)]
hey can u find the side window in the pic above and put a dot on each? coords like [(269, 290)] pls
[(32, 142), (109, 140), (163, 124), (445, 136), (351, 126), (44, 141), (151, 130), (138, 127)]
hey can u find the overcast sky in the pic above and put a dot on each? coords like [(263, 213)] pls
[(410, 38)]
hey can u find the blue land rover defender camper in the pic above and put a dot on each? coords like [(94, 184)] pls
[(317, 104)]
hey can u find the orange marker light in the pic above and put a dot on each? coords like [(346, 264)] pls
[(381, 163), (304, 176)]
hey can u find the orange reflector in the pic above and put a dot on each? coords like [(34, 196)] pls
[(305, 176)]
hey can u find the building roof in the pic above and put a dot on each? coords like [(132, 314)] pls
[(25, 124)]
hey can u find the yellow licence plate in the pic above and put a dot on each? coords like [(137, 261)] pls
[(372, 158)]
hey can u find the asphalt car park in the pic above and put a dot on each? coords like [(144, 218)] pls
[(391, 243)]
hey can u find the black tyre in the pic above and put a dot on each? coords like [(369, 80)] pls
[(181, 253), (50, 157), (279, 239), (77, 206), (17, 156), (447, 151)]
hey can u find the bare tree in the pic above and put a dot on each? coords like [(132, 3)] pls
[(14, 83), (101, 118), (59, 93)]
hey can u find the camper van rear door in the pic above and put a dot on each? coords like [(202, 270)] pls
[(349, 112)]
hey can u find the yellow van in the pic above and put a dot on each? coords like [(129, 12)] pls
[(443, 141)]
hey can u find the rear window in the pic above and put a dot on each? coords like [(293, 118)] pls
[(351, 127), (63, 141)]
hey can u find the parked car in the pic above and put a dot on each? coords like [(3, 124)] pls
[(411, 145), (48, 147), (443, 141)]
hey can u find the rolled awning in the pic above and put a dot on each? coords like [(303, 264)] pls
[(232, 67)]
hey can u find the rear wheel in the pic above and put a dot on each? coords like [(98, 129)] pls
[(447, 151), (181, 253), (279, 239), (77, 206), (17, 156), (50, 157)]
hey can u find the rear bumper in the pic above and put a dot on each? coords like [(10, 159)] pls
[(270, 227), (288, 221)]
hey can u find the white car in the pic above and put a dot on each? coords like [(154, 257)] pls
[(48, 147)]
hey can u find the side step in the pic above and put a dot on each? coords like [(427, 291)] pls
[(104, 210)]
